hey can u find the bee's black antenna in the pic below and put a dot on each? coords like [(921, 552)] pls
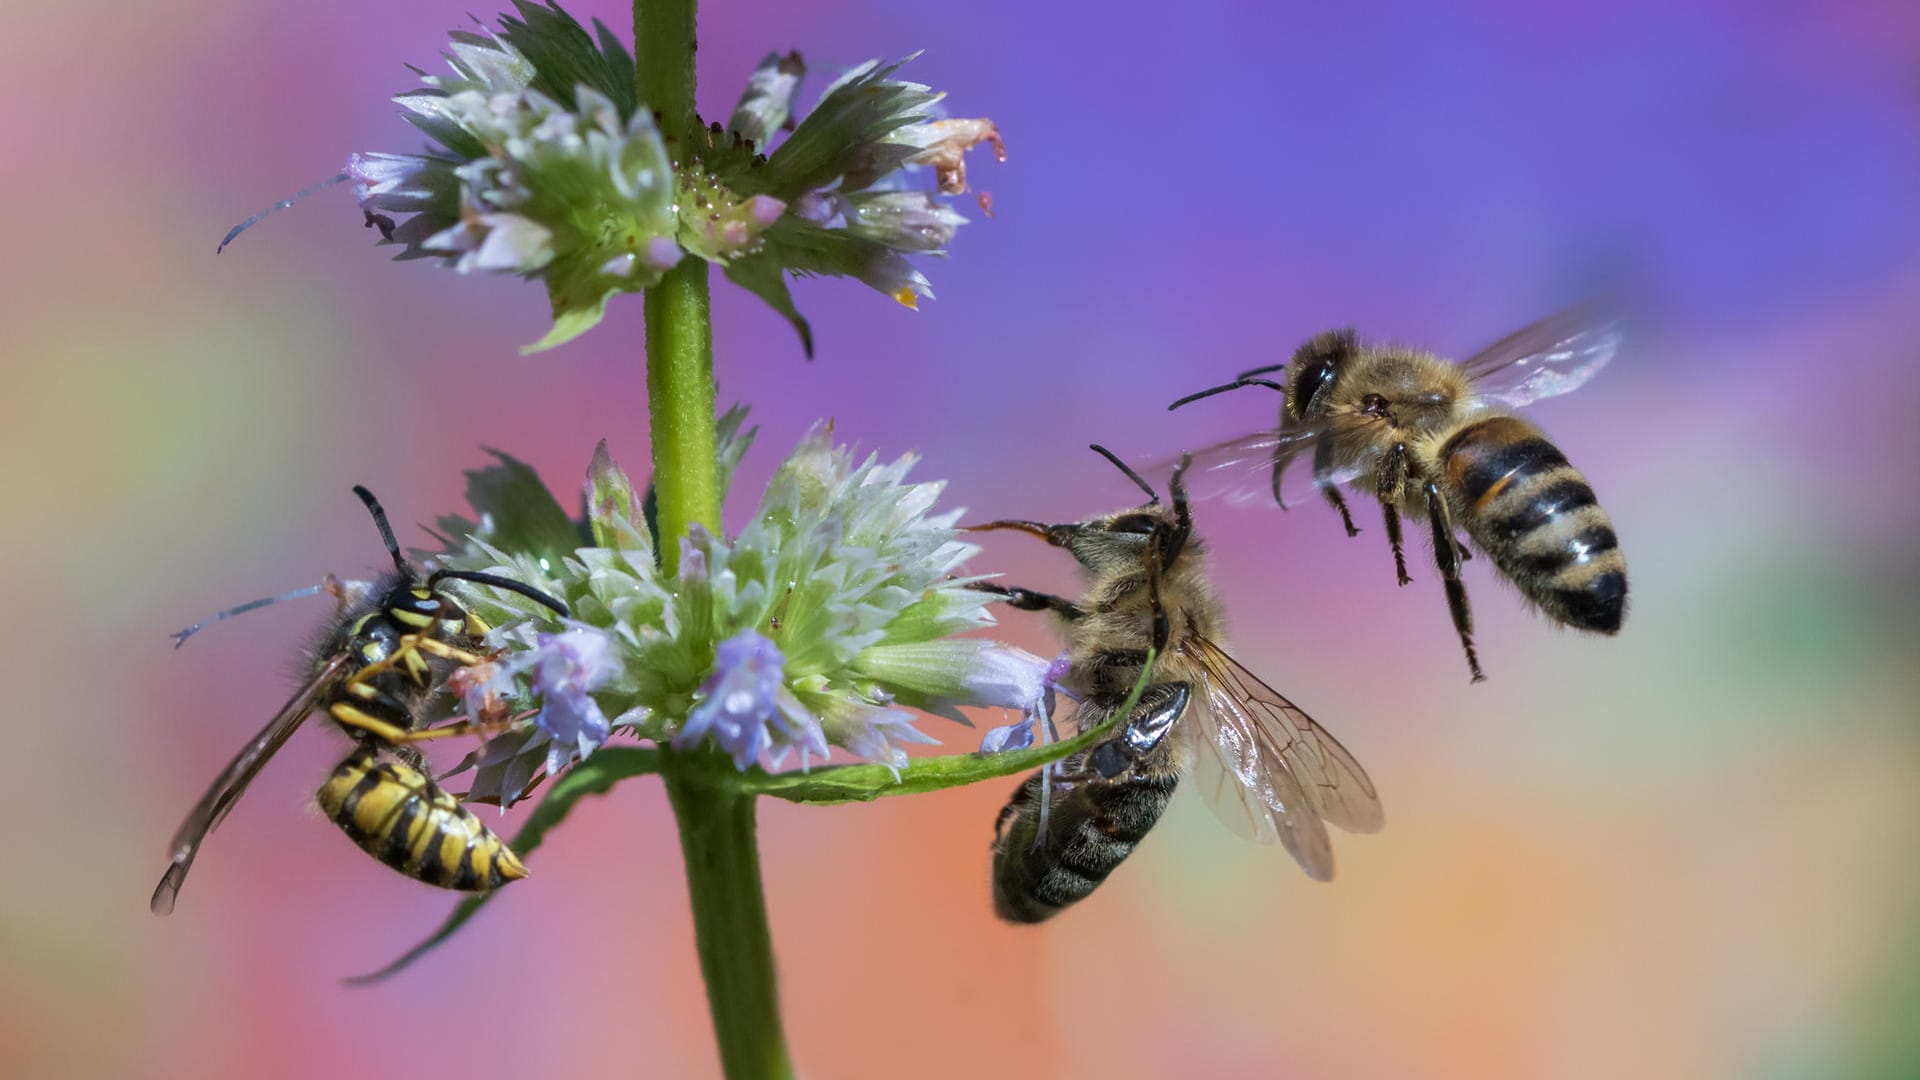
[(499, 582), (1244, 380), (341, 178), (1153, 497), (386, 530)]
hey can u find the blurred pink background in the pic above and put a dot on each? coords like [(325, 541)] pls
[(1687, 852)]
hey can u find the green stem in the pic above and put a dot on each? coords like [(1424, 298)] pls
[(729, 917), (716, 817), (680, 406), (679, 316)]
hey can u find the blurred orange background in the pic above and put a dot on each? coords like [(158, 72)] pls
[(1686, 852)]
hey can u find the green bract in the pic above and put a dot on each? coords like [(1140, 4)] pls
[(546, 164), (845, 569)]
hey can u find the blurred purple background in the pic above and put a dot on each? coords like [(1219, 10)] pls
[(1686, 852)]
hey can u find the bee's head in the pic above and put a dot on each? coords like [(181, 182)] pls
[(1120, 540), (1314, 369)]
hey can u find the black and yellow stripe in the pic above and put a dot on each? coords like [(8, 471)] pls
[(397, 814), (1534, 513)]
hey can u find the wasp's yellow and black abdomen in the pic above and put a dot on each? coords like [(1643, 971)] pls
[(1525, 506), (1091, 829), (397, 814)]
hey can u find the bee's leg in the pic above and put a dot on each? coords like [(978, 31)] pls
[(1447, 552), (1282, 457), (1389, 486), (1028, 600), (1323, 479)]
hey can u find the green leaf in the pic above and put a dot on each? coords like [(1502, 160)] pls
[(865, 783), (564, 55), (762, 275), (572, 316), (733, 443), (517, 512), (859, 111), (593, 776)]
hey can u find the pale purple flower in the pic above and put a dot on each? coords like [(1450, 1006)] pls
[(746, 708), (566, 666), (1036, 705), (905, 220), (878, 734)]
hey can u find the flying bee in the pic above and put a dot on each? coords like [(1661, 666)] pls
[(389, 648), (1440, 441), (1267, 768)]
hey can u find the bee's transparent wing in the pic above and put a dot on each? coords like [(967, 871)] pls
[(1242, 470), (1280, 775), (1545, 359), (232, 782)]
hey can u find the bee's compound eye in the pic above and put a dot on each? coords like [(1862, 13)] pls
[(1137, 524), (1310, 382)]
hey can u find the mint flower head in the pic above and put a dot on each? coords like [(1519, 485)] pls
[(826, 621), (544, 163)]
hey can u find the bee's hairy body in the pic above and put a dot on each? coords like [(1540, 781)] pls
[(1113, 795), (1411, 428), (1091, 828)]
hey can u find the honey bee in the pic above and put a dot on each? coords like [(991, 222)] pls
[(1440, 441), (388, 650), (1268, 769)]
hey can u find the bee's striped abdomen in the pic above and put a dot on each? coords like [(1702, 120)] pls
[(400, 816), (1524, 505), (1090, 831)]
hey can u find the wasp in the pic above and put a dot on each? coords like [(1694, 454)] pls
[(377, 667)]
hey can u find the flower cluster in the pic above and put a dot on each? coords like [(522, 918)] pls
[(829, 617), (546, 164)]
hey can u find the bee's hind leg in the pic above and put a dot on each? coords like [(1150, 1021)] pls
[(1448, 553)]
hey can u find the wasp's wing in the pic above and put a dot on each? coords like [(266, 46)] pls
[(1548, 358), (1264, 467), (233, 780), (1284, 773)]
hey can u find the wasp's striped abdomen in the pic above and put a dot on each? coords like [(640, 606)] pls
[(1525, 506), (1090, 831), (397, 814)]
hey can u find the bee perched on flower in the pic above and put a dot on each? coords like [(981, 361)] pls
[(546, 163)]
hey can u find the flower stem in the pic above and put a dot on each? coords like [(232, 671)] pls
[(729, 917), (679, 315), (680, 406), (716, 817)]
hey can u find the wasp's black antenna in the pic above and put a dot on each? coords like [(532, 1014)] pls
[(180, 636), (1244, 380), (323, 185), (499, 582), (386, 530), (1153, 497)]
